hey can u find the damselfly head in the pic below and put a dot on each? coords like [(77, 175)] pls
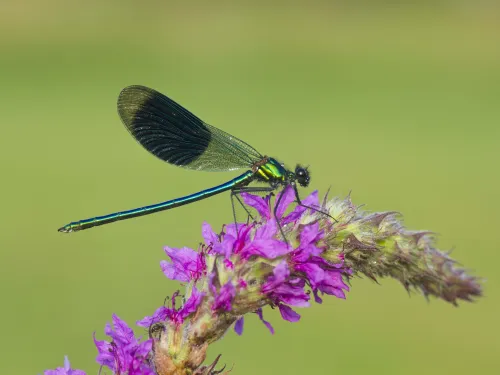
[(302, 175)]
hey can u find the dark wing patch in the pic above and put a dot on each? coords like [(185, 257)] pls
[(177, 136)]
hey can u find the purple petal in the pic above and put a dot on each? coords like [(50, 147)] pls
[(66, 370), (314, 273), (171, 314), (291, 295), (211, 285), (238, 326), (311, 201), (310, 234), (334, 278), (125, 354), (242, 231), (225, 297), (182, 255), (288, 313), (159, 315), (266, 231), (228, 264), (104, 356), (302, 254), (226, 247), (242, 284), (280, 274), (172, 272), (233, 241), (191, 304), (144, 348), (339, 293), (326, 265), (185, 266), (281, 271), (242, 238), (123, 333), (266, 323), (67, 367), (259, 203), (288, 197), (208, 234), (282, 289), (317, 298), (269, 249), (333, 284)]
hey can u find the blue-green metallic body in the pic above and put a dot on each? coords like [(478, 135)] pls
[(241, 180), (268, 170)]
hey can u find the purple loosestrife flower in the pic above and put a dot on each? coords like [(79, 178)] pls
[(66, 370), (124, 354), (186, 264)]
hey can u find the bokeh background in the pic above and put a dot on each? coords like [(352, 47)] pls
[(398, 103)]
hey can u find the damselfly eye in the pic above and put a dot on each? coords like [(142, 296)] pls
[(302, 175)]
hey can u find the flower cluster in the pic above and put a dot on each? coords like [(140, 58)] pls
[(284, 259), (124, 354), (241, 270)]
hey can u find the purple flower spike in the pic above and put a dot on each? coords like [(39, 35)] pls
[(186, 265), (66, 370), (124, 354), (248, 266)]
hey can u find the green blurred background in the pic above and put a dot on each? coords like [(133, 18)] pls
[(398, 103)]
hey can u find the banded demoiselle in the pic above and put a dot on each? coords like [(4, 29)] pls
[(175, 135)]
